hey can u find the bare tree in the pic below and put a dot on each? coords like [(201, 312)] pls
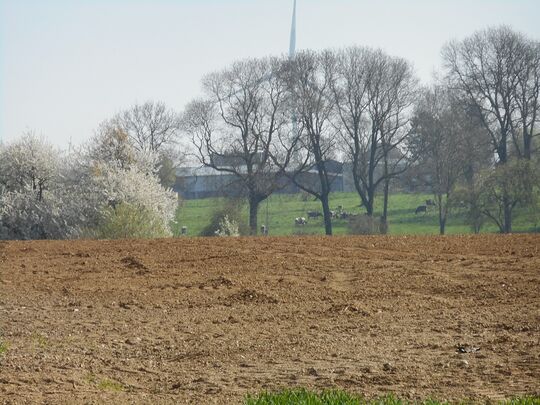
[(484, 69), (527, 100), (234, 127), (350, 89), (111, 144), (373, 93), (313, 140), (494, 72), (150, 126), (394, 120), (441, 131)]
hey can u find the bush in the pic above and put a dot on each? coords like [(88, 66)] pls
[(227, 227), (126, 221), (468, 198), (46, 194), (366, 225), (230, 213)]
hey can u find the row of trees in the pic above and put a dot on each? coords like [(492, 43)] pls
[(470, 137), (479, 124), (262, 120)]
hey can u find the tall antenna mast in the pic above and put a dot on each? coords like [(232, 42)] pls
[(292, 46), (292, 54)]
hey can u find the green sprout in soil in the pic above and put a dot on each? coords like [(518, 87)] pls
[(3, 347)]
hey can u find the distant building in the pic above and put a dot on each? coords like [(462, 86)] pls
[(204, 182)]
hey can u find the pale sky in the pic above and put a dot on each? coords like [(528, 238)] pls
[(66, 65)]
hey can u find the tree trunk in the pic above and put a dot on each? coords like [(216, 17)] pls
[(253, 210), (527, 146), (384, 217), (364, 201), (370, 188), (507, 225), (502, 149), (527, 135), (357, 185), (443, 211), (326, 214), (442, 219), (370, 202), (442, 225)]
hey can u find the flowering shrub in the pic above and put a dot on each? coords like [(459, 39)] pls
[(127, 221), (46, 194), (227, 227)]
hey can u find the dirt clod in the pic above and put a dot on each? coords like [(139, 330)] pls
[(133, 263), (251, 296)]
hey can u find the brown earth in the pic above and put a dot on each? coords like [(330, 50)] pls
[(209, 320)]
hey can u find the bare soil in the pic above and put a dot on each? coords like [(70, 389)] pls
[(207, 320)]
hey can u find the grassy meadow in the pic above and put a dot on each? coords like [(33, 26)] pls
[(304, 397), (282, 209)]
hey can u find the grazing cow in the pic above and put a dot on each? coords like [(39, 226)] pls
[(313, 214), (421, 208), (300, 221)]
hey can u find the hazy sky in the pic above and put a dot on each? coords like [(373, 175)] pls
[(67, 65)]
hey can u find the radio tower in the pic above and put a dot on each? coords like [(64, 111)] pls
[(292, 46)]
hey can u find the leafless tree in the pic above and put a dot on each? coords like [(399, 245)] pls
[(494, 72), (111, 144), (527, 100), (393, 117), (350, 89), (441, 139), (373, 93), (484, 69), (150, 126), (313, 136), (234, 127)]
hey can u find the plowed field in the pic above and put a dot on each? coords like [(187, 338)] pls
[(209, 320)]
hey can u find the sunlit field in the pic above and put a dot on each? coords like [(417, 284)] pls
[(282, 209)]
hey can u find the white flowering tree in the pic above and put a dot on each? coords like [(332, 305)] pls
[(227, 227), (47, 195), (110, 173), (32, 199)]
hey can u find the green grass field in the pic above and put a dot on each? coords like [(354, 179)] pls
[(304, 397), (283, 208)]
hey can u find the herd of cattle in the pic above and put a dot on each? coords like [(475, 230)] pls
[(339, 213)]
